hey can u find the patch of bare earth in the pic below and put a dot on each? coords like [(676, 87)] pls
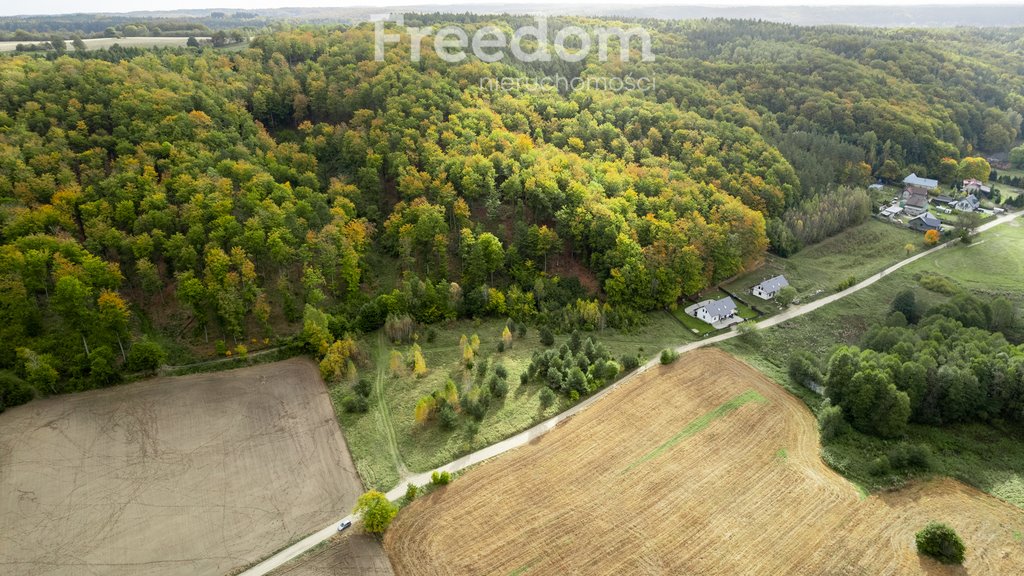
[(348, 554), (198, 474), (701, 467)]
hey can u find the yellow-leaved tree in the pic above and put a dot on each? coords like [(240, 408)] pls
[(419, 365), (396, 364), (424, 409)]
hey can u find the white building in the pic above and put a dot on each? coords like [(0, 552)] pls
[(714, 311), (769, 288), (926, 183)]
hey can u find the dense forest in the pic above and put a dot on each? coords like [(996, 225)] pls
[(953, 365), (181, 201)]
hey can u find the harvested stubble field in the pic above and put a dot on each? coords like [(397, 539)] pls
[(196, 474), (701, 467)]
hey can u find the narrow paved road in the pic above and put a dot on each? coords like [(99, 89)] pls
[(544, 427)]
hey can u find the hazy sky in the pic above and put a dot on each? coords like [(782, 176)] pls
[(13, 7)]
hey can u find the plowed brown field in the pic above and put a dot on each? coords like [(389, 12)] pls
[(194, 475), (701, 467), (350, 553)]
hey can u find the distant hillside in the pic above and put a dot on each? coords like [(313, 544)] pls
[(940, 16)]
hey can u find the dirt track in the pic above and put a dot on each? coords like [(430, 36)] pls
[(198, 474), (736, 492)]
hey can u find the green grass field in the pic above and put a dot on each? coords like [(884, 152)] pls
[(858, 252), (988, 457), (386, 438), (695, 326)]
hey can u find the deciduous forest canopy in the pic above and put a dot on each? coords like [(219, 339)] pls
[(175, 197)]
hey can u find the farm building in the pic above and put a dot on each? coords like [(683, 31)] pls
[(925, 222), (926, 183), (769, 288), (714, 311), (891, 212)]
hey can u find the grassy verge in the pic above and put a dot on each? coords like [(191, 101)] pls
[(989, 457)]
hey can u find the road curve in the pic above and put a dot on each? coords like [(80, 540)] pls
[(524, 437)]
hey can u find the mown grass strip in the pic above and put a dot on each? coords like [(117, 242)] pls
[(699, 424)]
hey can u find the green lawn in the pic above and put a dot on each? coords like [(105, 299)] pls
[(858, 252), (389, 427), (984, 456), (696, 326)]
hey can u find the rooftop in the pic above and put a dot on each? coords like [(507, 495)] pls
[(722, 307), (916, 180), (774, 284)]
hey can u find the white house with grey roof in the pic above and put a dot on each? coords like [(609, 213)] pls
[(767, 289), (713, 311), (926, 183), (968, 204)]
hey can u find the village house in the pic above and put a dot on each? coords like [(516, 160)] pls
[(973, 186), (926, 183), (915, 200), (714, 311), (968, 204), (767, 289), (925, 222)]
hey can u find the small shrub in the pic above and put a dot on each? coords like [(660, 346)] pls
[(939, 284), (473, 428), (362, 387), (804, 370), (145, 356), (910, 456), (431, 334), (440, 478), (574, 396), (13, 390), (831, 423), (499, 387), (668, 356), (242, 351), (355, 403), (521, 330), (940, 542), (524, 378), (547, 397), (848, 283), (501, 372), (449, 419), (547, 337), (629, 362), (410, 492), (880, 466), (501, 346)]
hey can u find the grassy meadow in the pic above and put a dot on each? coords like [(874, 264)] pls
[(386, 442), (990, 457)]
